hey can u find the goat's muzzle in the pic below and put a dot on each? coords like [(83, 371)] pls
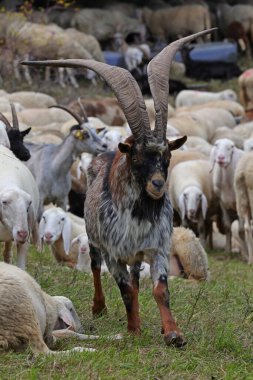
[(156, 186)]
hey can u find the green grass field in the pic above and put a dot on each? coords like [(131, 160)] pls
[(216, 317)]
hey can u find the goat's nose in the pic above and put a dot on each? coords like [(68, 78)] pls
[(158, 183), (48, 236), (105, 146), (191, 212), (221, 157), (23, 234)]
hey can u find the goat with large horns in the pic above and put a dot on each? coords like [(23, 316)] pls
[(127, 209)]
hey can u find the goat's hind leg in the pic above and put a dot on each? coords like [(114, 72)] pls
[(159, 274), (99, 306)]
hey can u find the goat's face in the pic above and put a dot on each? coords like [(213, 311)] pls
[(67, 316), (86, 140), (16, 144), (16, 213), (149, 164)]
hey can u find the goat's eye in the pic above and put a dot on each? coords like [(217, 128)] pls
[(134, 159), (4, 202), (62, 219)]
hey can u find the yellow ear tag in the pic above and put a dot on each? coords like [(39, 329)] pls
[(79, 135)]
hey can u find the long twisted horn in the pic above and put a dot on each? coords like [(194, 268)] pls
[(5, 121), (123, 85), (78, 118), (82, 109), (15, 122), (158, 76)]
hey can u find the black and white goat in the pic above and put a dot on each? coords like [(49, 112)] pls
[(127, 209)]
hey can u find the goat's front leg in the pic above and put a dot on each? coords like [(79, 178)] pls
[(99, 306), (129, 289), (159, 274)]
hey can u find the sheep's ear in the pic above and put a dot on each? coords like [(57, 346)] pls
[(203, 205), (66, 234), (176, 144), (74, 241), (181, 206), (65, 315), (24, 133)]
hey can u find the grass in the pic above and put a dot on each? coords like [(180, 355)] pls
[(216, 318)]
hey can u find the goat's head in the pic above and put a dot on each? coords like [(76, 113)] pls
[(16, 136), (86, 139), (148, 151)]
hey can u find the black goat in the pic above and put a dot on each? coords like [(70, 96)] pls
[(206, 70), (16, 136)]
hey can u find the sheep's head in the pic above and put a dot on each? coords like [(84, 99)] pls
[(222, 152), (67, 316), (149, 163)]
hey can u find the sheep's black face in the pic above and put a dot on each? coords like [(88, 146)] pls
[(149, 164), (17, 146)]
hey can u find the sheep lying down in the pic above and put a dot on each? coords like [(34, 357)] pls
[(29, 316)]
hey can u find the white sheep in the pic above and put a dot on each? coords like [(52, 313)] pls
[(224, 158), (243, 181), (29, 316), (191, 193), (57, 229), (191, 97), (19, 203), (30, 99)]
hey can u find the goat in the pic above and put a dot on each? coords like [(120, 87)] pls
[(127, 209), (206, 70), (59, 159), (16, 136)]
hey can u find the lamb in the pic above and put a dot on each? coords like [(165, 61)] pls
[(127, 209), (224, 158), (29, 316), (19, 197), (59, 158), (244, 204), (60, 230), (188, 98)]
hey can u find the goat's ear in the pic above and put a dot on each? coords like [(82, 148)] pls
[(24, 133), (66, 234), (124, 148), (176, 144)]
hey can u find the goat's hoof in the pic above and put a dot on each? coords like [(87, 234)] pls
[(99, 312), (174, 339)]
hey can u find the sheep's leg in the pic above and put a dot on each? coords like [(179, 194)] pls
[(7, 252), (47, 74), (248, 238), (159, 274), (99, 306), (243, 245), (66, 333), (61, 77), (26, 70), (129, 292), (16, 69), (22, 250), (227, 226), (71, 77)]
